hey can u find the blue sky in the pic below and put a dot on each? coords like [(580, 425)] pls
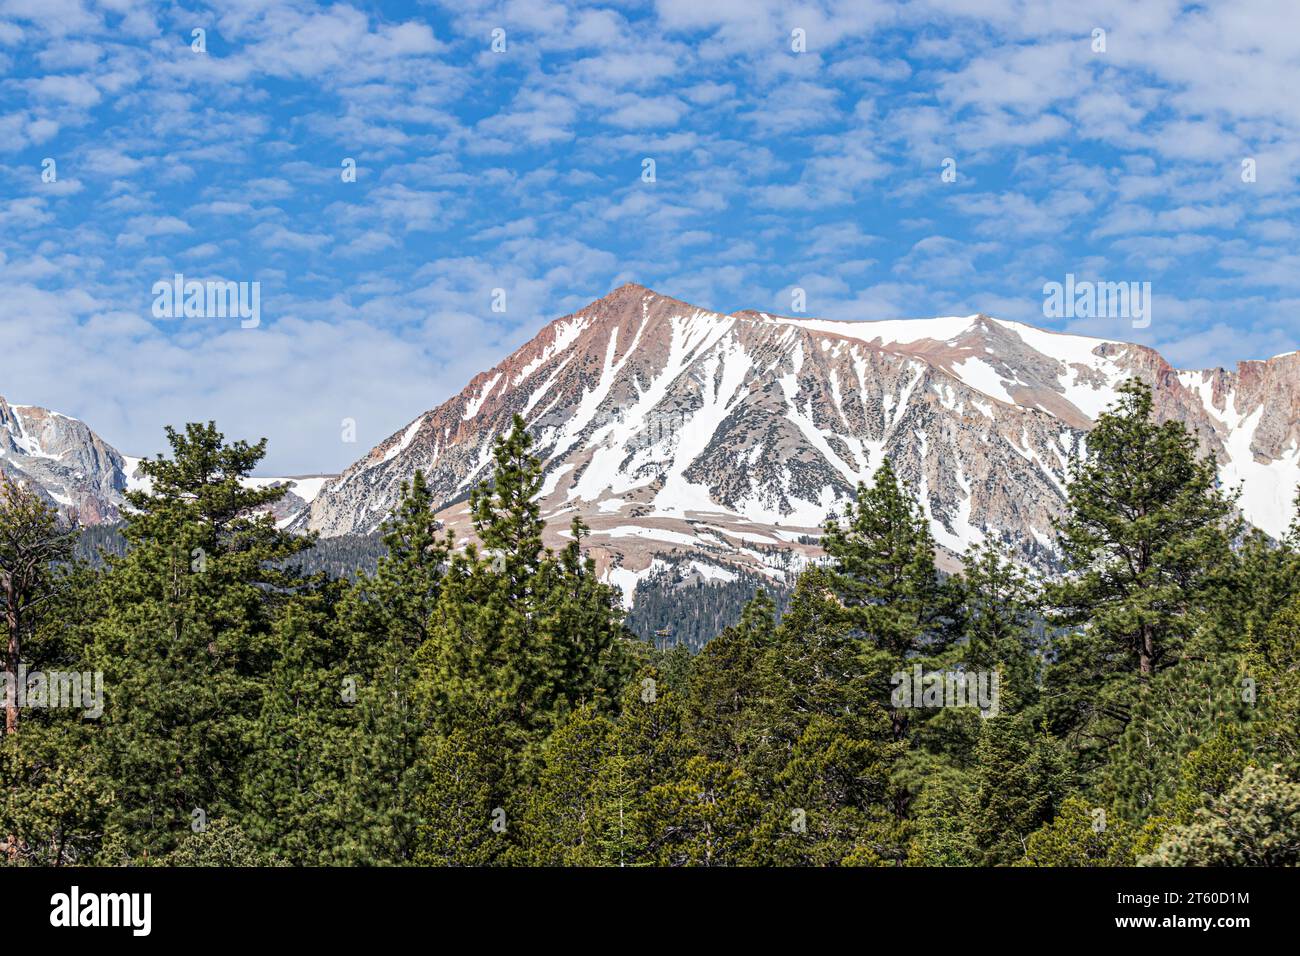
[(522, 170)]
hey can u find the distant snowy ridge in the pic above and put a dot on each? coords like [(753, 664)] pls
[(76, 471)]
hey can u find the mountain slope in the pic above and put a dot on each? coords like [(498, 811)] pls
[(727, 438)]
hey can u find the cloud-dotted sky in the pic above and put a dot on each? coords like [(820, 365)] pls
[(522, 170)]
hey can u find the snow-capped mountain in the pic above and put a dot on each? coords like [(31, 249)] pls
[(63, 461), (76, 471), (729, 437), (726, 439)]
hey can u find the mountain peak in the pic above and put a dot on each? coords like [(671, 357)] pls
[(632, 295)]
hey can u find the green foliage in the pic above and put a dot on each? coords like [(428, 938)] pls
[(523, 633), (53, 798), (1146, 537), (34, 545), (577, 815), (465, 814), (1082, 835), (1001, 618), (300, 740), (883, 573), (1150, 579), (941, 817), (1255, 823), (1021, 777), (702, 817), (727, 682), (185, 638), (375, 776), (1174, 714), (220, 843), (835, 795)]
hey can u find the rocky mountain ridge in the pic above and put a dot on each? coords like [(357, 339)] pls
[(727, 438)]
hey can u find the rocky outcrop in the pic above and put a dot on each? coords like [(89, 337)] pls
[(63, 461)]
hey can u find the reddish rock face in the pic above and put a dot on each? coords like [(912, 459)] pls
[(728, 437)]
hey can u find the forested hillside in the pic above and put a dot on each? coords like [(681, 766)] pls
[(341, 557), (679, 608), (490, 705)]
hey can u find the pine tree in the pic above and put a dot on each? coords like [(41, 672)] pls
[(651, 749), (727, 683), (507, 517), (941, 817), (835, 795), (702, 817), (470, 807), (1082, 834), (884, 580), (580, 630), (386, 770), (884, 572), (523, 638), (54, 797), (185, 639), (1021, 777), (1146, 537), (525, 634), (577, 812), (401, 597), (1265, 580), (221, 843), (1255, 823), (1181, 709), (1000, 604), (1271, 682), (387, 620), (302, 740), (33, 543)]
